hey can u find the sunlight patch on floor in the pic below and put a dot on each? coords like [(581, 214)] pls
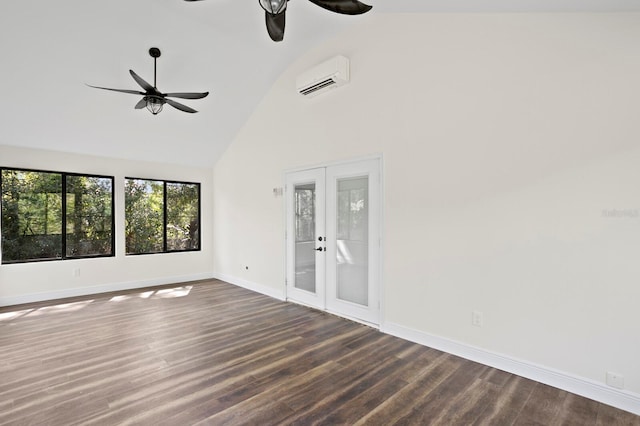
[(13, 315), (62, 308), (165, 293), (174, 292)]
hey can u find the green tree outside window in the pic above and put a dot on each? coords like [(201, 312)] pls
[(161, 216)]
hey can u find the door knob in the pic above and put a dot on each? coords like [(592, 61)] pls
[(319, 249)]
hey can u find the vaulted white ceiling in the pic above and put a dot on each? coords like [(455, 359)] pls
[(49, 50)]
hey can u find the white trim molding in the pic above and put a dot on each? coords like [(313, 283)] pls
[(107, 288), (591, 389), (249, 285)]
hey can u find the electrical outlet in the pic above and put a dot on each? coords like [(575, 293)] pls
[(477, 319), (76, 272), (615, 380)]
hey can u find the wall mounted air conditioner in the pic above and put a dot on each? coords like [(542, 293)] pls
[(323, 77)]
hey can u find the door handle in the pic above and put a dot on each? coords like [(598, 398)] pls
[(320, 249)]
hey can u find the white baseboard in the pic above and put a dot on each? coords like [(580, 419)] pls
[(106, 288), (597, 391), (258, 288)]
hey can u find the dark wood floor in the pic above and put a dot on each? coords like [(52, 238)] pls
[(212, 353)]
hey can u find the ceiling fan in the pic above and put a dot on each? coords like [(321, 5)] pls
[(153, 99), (275, 12)]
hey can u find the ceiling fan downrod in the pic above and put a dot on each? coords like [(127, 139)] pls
[(155, 54)]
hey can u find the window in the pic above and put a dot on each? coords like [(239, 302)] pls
[(161, 216), (89, 215), (183, 216), (39, 223)]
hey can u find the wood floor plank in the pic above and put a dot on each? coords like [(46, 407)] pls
[(398, 408), (505, 409), (543, 405), (610, 416), (439, 405), (210, 353), (577, 411), (347, 392)]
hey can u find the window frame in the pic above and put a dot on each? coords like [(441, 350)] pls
[(164, 215), (63, 234)]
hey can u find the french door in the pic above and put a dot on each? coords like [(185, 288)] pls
[(333, 239)]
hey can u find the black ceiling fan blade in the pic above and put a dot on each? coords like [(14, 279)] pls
[(346, 7), (187, 95), (146, 86), (180, 106), (141, 103), (133, 92), (275, 25)]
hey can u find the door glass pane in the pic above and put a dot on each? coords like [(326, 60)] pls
[(305, 234), (352, 220)]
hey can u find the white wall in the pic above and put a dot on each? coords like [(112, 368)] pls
[(507, 141), (20, 283)]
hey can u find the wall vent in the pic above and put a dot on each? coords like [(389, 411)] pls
[(324, 77)]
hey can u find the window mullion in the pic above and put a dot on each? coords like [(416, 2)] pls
[(164, 217), (63, 178)]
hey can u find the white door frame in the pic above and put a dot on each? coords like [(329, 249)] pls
[(375, 267)]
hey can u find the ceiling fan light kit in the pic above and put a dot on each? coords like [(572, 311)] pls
[(152, 98), (153, 105)]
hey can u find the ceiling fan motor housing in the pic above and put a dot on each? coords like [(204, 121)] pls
[(274, 7)]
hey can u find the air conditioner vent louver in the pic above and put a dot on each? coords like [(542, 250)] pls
[(327, 75), (318, 86)]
